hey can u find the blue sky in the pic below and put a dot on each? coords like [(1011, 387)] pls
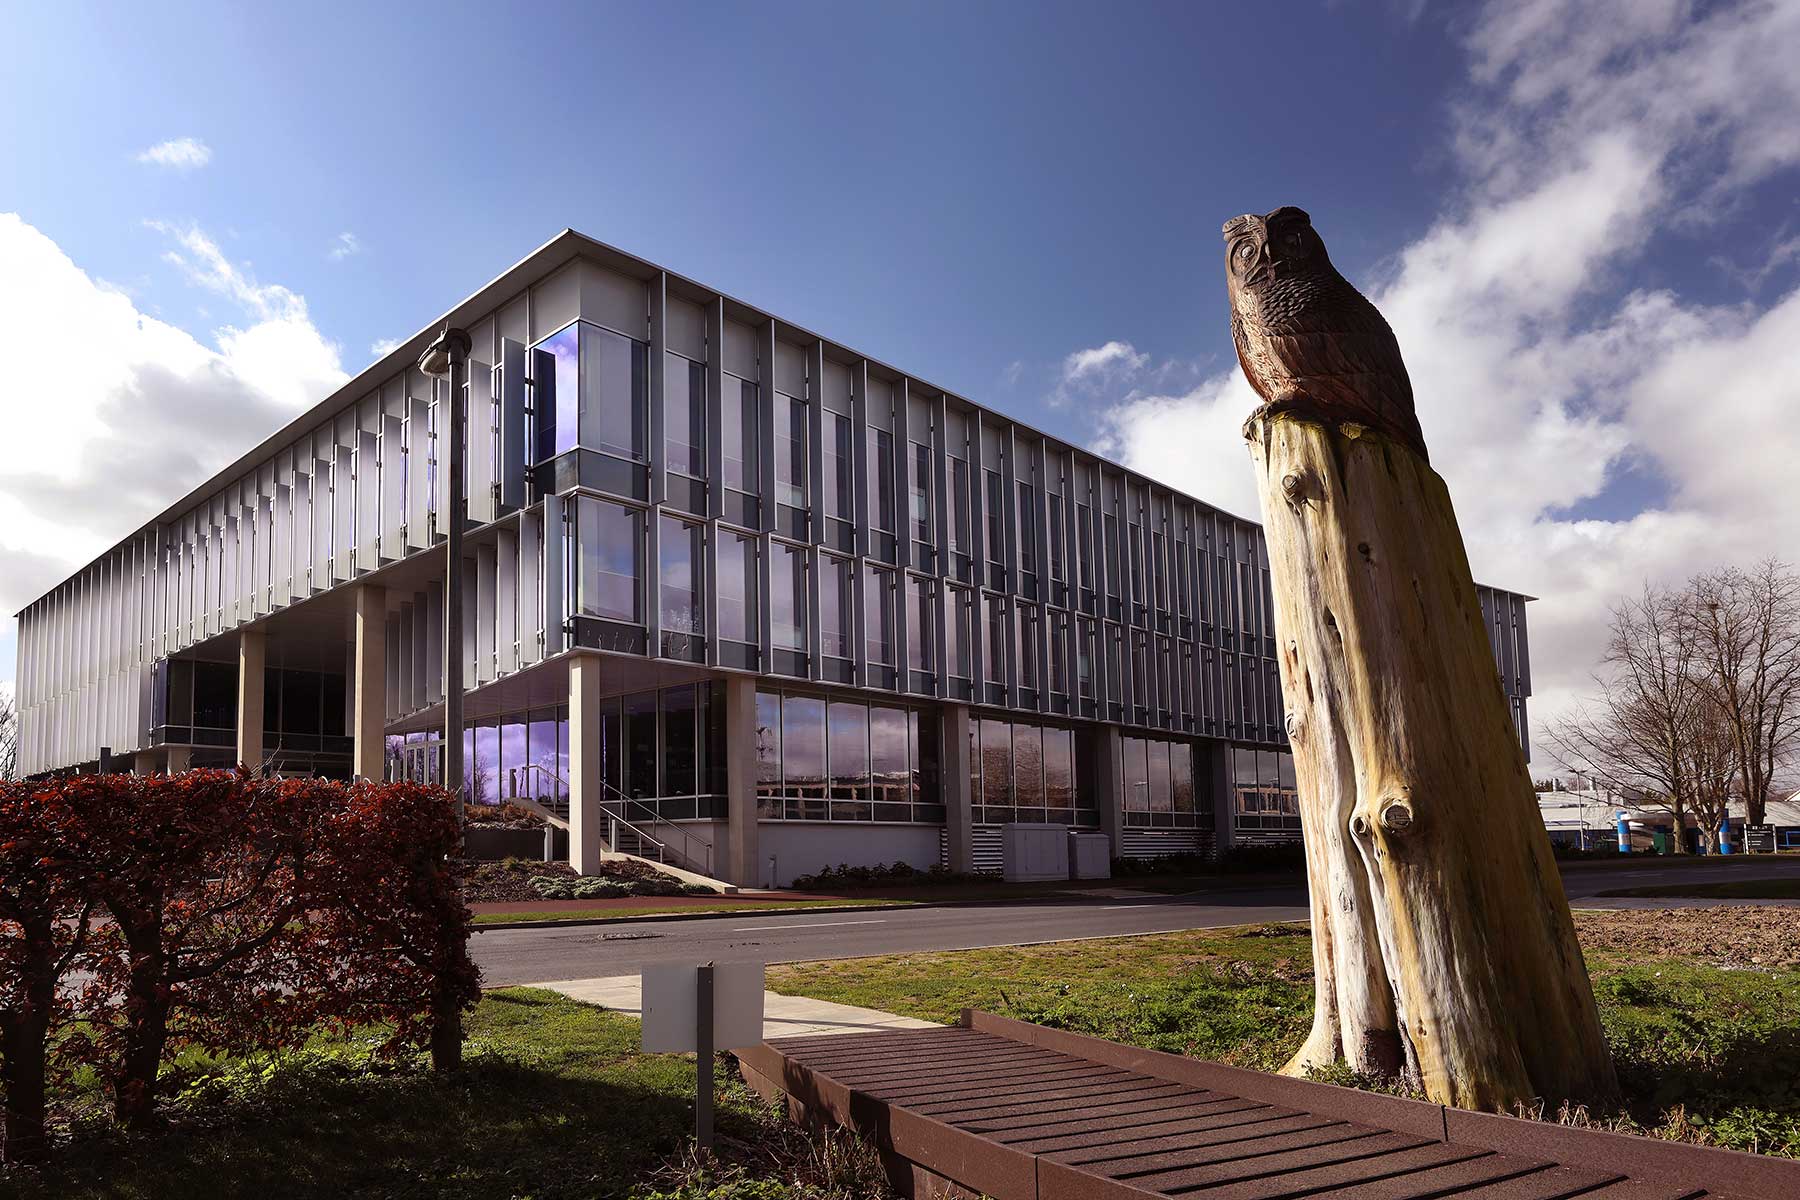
[(1575, 214)]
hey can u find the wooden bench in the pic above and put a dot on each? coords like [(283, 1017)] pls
[(1016, 1111)]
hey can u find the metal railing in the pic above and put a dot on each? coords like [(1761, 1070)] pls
[(648, 845)]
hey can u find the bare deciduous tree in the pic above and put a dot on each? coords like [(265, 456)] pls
[(9, 735), (1634, 735), (1747, 630)]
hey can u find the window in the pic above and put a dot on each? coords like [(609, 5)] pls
[(738, 438), (1084, 545), (921, 624), (640, 745), (999, 634), (959, 505), (956, 631), (920, 508), (787, 600), (839, 467), (1028, 646), (1059, 774), (611, 559), (996, 768), (1027, 529), (614, 392), (996, 520), (1059, 652), (737, 586), (848, 734), (679, 576), (836, 605), (556, 372), (878, 616), (803, 754), (768, 754), (790, 451), (1055, 536), (893, 788), (1084, 658), (1028, 771), (881, 480), (684, 415), (1110, 529), (681, 776)]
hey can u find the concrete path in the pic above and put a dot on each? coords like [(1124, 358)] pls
[(783, 1016)]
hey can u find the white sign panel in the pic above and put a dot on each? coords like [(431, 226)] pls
[(671, 1007)]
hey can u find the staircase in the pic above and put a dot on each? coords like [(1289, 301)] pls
[(642, 834)]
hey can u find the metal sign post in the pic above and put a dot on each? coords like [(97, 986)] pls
[(703, 1058)]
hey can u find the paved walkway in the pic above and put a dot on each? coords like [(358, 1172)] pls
[(783, 1016)]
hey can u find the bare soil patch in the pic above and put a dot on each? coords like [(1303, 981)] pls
[(1740, 936)]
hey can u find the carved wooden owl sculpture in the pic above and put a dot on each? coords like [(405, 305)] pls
[(1308, 341)]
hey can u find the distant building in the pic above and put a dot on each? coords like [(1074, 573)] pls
[(722, 576)]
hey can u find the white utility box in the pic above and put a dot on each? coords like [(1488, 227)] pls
[(1090, 856), (1032, 853)]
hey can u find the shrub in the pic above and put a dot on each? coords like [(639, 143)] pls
[(898, 874), (240, 913)]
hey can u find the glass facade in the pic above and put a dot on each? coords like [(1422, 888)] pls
[(879, 547)]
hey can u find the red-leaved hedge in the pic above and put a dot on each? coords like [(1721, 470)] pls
[(219, 910)]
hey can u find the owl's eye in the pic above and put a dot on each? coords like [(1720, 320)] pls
[(1245, 251)]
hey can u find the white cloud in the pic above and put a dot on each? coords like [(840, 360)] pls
[(183, 154), (382, 347), (1113, 357), (1587, 130), (343, 246), (110, 413)]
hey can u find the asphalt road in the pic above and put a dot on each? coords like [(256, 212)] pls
[(514, 956)]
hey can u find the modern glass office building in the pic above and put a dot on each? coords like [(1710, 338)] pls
[(721, 576)]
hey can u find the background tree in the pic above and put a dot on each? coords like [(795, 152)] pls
[(1747, 627), (1634, 735), (9, 734)]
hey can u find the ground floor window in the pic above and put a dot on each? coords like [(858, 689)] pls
[(1021, 771), (1264, 793), (827, 759), (1157, 782)]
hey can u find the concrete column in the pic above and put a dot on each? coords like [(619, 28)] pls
[(369, 714), (1109, 786), (1214, 769), (740, 863), (587, 810), (179, 759), (252, 654), (144, 762), (953, 786)]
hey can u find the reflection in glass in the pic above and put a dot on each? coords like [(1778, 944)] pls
[(835, 605), (684, 415), (512, 761), (803, 747), (614, 392), (790, 451), (1059, 768), (1028, 769), (612, 555), (848, 730), (787, 602), (887, 754), (737, 440), (768, 751), (839, 467), (881, 479), (878, 615), (680, 552), (737, 586), (996, 765), (921, 623), (484, 766)]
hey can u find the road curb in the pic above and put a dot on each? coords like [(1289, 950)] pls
[(909, 905)]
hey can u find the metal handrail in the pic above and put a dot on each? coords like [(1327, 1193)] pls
[(619, 819)]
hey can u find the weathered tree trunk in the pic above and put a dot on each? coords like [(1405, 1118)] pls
[(1442, 941), (24, 1047)]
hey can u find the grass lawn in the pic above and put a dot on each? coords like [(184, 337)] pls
[(554, 1101), (1705, 1053), (1731, 889), (723, 906)]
